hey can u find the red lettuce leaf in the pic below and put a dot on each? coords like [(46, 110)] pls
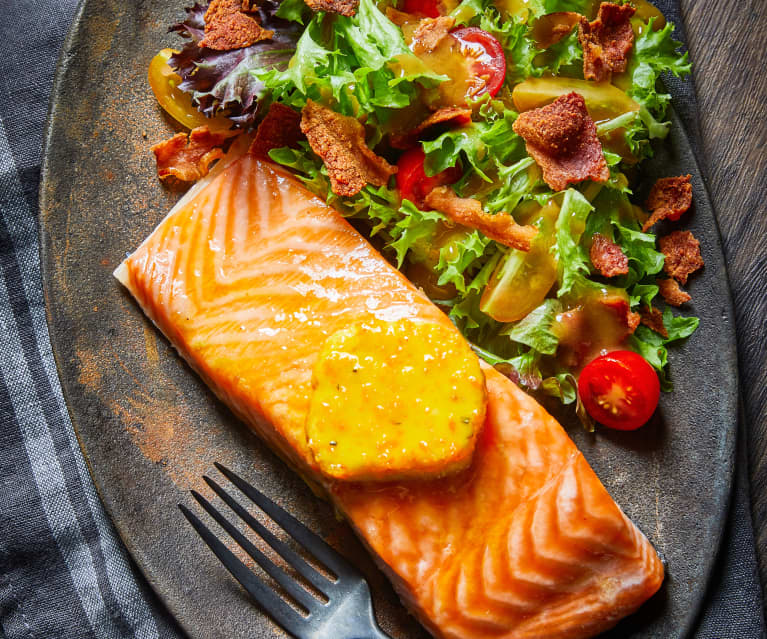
[(222, 80)]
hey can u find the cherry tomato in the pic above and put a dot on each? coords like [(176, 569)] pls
[(412, 181), (428, 8), (620, 390), (178, 104), (489, 62)]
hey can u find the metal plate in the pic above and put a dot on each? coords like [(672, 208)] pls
[(150, 428)]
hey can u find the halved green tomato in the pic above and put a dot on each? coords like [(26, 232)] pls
[(521, 280), (603, 101), (176, 103)]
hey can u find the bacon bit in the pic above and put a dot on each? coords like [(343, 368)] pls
[(430, 32), (452, 116), (227, 27), (467, 211), (682, 253), (345, 7), (669, 198), (672, 292), (551, 28), (340, 141), (188, 159), (606, 41), (398, 17), (562, 138), (280, 127), (607, 257), (652, 318)]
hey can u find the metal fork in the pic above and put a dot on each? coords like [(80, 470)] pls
[(348, 611)]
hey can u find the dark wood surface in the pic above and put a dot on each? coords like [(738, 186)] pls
[(727, 43)]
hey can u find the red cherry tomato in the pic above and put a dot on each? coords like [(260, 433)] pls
[(412, 181), (428, 8), (487, 52), (620, 390)]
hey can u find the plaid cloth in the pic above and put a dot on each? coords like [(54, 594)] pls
[(63, 570)]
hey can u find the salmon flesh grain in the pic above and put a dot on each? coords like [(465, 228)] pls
[(248, 276)]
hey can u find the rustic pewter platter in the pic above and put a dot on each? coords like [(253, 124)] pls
[(150, 428)]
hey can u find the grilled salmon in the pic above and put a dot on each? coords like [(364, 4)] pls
[(248, 276)]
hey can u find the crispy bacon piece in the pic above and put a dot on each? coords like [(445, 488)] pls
[(607, 257), (652, 318), (345, 7), (672, 292), (227, 27), (280, 127), (467, 211), (340, 141), (430, 32), (189, 158), (451, 116), (552, 27), (606, 41), (669, 198), (562, 138), (682, 253)]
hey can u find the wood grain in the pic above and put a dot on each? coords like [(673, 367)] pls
[(727, 43)]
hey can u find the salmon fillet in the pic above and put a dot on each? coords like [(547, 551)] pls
[(248, 276)]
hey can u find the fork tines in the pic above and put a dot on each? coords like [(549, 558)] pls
[(318, 618)]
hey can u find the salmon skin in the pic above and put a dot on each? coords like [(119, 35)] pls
[(248, 276)]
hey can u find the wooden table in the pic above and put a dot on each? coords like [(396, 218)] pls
[(727, 42)]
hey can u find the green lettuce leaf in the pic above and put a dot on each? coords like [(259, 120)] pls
[(457, 259), (468, 10), (308, 167), (655, 53), (534, 330), (642, 294), (294, 10), (516, 183), (652, 346), (640, 249), (562, 386), (461, 145), (561, 58), (413, 226), (349, 59), (540, 7), (519, 49), (572, 259), (465, 312)]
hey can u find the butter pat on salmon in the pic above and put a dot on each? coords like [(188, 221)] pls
[(248, 277), (395, 400)]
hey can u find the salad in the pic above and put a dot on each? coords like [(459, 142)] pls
[(488, 148)]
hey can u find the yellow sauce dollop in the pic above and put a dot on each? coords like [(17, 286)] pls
[(395, 400)]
